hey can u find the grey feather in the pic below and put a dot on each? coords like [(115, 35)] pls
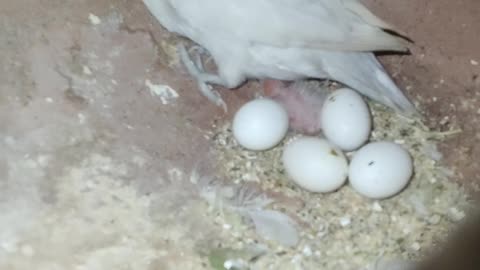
[(287, 40), (249, 203)]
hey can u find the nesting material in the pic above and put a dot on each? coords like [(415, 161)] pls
[(343, 230)]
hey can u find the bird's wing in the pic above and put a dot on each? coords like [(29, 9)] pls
[(344, 25)]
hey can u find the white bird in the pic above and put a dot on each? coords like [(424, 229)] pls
[(285, 40)]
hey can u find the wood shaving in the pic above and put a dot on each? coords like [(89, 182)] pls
[(343, 230)]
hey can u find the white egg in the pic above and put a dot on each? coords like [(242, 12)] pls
[(345, 119), (380, 170), (315, 165), (260, 124)]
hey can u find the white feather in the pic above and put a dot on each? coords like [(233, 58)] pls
[(320, 24), (276, 226)]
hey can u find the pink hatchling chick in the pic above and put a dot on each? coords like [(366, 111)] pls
[(303, 101)]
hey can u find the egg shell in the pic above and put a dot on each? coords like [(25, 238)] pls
[(260, 124), (380, 170), (314, 164), (346, 119)]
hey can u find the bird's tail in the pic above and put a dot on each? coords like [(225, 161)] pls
[(363, 72)]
